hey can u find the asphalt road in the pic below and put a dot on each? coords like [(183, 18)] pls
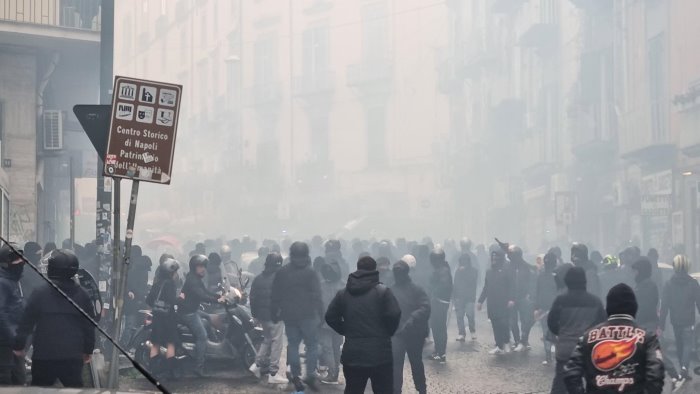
[(469, 369)]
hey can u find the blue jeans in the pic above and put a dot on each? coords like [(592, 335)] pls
[(306, 330), (685, 344), (194, 322)]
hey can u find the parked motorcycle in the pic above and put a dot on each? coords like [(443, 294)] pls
[(232, 334)]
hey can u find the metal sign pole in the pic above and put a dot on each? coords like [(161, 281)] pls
[(121, 289)]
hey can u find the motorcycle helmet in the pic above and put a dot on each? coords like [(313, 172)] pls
[(62, 264), (197, 261), (170, 266), (611, 262)]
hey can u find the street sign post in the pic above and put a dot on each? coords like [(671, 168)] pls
[(140, 147), (142, 130)]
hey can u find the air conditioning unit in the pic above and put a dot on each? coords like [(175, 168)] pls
[(53, 130)]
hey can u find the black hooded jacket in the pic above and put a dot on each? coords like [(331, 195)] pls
[(465, 284), (415, 309), (296, 292), (648, 300), (441, 282), (546, 290), (261, 294), (59, 331), (11, 305), (497, 291), (367, 314), (617, 356), (523, 279), (680, 299)]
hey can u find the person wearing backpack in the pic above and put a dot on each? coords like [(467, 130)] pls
[(163, 299)]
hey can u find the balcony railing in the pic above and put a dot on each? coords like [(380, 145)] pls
[(369, 72), (316, 83), (76, 14)]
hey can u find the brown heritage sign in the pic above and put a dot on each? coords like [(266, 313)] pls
[(142, 130)]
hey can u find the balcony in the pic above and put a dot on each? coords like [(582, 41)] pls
[(314, 84), (268, 93), (688, 106), (370, 72), (595, 129), (46, 23)]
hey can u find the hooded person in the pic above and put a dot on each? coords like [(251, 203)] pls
[(545, 293), (464, 296), (409, 338), (215, 275), (256, 266), (11, 308), (30, 279), (297, 300), (618, 355), (522, 312), (679, 302), (647, 295), (499, 297), (440, 297), (572, 313), (48, 318), (268, 358), (334, 253), (331, 341), (579, 257), (367, 314), (653, 256)]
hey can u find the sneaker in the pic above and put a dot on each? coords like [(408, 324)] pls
[(461, 338), (519, 348), (443, 359), (684, 373), (496, 350), (298, 385), (331, 379), (436, 357), (545, 362), (255, 370), (277, 379), (508, 348), (473, 336)]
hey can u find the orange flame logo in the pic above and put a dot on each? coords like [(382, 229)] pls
[(608, 355)]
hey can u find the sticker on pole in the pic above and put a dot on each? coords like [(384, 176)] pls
[(142, 130)]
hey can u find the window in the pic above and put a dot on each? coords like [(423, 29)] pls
[(376, 137), (265, 59), (374, 31), (316, 51), (657, 89)]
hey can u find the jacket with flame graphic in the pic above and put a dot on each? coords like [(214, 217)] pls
[(617, 356)]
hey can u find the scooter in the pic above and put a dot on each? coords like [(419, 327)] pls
[(232, 334)]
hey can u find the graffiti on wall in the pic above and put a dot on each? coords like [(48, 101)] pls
[(22, 226)]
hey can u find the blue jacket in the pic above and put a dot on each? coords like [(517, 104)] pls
[(11, 306)]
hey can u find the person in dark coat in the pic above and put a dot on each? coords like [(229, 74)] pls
[(11, 309), (30, 279), (617, 356), (367, 314), (464, 296), (163, 299), (334, 253), (297, 300), (215, 276), (522, 312), (409, 338), (579, 257), (656, 277), (546, 292), (193, 294), (499, 297), (571, 315), (50, 318), (440, 297), (680, 300), (256, 266), (384, 268), (137, 290), (331, 341), (268, 359)]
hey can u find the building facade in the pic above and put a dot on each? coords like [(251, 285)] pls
[(49, 52)]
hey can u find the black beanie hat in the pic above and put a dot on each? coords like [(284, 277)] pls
[(575, 278), (621, 301)]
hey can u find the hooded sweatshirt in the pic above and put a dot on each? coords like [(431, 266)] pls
[(261, 294), (680, 299), (11, 304), (367, 314), (296, 292)]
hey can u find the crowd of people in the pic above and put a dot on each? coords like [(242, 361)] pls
[(363, 307)]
